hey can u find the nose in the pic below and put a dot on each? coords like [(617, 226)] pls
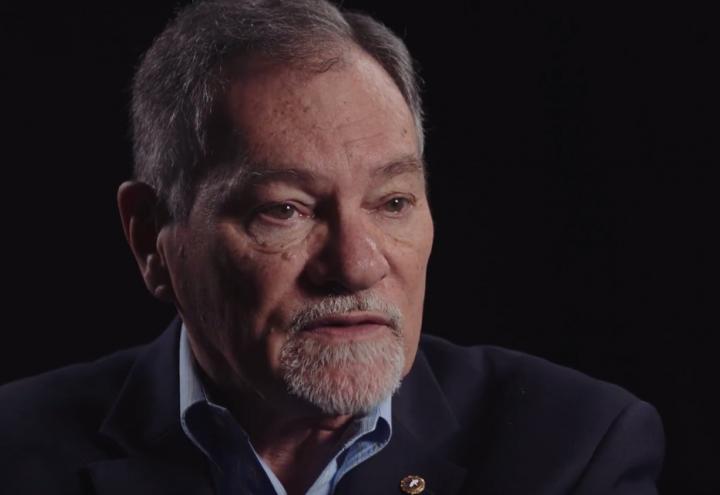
[(350, 257)]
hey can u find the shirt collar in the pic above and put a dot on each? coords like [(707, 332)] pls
[(191, 388)]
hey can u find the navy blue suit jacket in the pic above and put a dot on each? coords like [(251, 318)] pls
[(477, 420)]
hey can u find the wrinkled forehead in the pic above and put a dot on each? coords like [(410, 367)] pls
[(270, 97), (289, 114)]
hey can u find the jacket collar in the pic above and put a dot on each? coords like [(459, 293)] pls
[(146, 412), (144, 422)]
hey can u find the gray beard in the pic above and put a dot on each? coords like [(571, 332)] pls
[(343, 378)]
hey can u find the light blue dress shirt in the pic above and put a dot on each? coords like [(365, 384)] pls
[(237, 467)]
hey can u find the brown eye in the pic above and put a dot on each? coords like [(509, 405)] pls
[(282, 211), (397, 205)]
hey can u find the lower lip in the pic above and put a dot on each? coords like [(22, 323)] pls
[(365, 330)]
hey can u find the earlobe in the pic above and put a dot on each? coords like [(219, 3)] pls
[(138, 203), (157, 278)]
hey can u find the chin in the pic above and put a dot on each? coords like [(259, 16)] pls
[(342, 378)]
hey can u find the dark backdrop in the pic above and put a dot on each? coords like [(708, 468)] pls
[(570, 149)]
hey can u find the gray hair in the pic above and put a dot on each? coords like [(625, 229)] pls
[(182, 78)]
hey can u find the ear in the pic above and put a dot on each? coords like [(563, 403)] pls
[(139, 210)]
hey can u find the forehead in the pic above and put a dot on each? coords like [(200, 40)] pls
[(346, 116)]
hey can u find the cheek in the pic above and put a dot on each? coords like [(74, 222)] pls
[(251, 293), (411, 335), (272, 347), (411, 252), (413, 233), (411, 255), (262, 282)]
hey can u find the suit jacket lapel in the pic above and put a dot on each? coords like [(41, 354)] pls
[(424, 431), (144, 425), (147, 476)]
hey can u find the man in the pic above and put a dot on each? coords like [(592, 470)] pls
[(280, 204)]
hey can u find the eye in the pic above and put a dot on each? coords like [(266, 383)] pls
[(276, 225), (397, 204), (281, 211)]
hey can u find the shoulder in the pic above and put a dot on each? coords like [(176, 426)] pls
[(65, 392), (48, 423), (507, 374), (560, 425)]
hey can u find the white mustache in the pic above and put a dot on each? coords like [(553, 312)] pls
[(339, 305)]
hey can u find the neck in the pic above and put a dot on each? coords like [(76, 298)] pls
[(295, 441), (269, 427)]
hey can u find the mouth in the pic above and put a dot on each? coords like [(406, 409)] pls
[(349, 326)]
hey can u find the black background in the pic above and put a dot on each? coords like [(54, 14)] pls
[(571, 150)]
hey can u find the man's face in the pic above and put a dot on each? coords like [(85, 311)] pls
[(302, 276)]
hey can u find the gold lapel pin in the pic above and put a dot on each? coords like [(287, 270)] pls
[(412, 484)]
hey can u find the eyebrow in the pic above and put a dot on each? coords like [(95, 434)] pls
[(263, 173), (404, 165)]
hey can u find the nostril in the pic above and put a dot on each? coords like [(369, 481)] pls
[(335, 288)]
